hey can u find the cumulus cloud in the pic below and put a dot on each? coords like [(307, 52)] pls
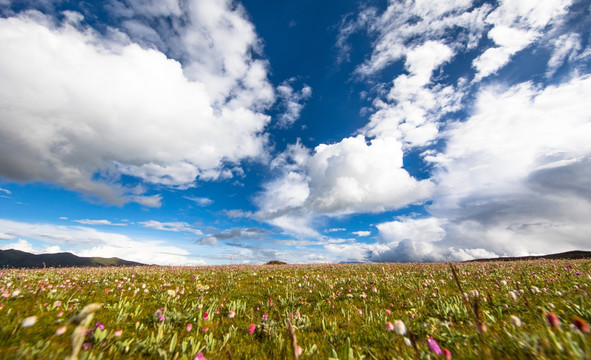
[(80, 109), (351, 176), (85, 241)]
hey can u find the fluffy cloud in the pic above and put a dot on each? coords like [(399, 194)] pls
[(291, 102), (85, 241), (515, 25), (79, 109), (347, 177), (351, 176)]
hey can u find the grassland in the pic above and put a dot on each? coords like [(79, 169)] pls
[(495, 310)]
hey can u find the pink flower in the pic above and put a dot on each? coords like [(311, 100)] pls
[(60, 330), (118, 333), (389, 326), (205, 316), (231, 314), (388, 312), (200, 356), (553, 320), (299, 350), (251, 328), (264, 317), (205, 329), (189, 327), (360, 312), (447, 353), (433, 346)]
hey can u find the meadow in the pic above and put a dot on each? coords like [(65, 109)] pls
[(494, 310)]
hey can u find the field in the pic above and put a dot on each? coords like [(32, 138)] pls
[(495, 310)]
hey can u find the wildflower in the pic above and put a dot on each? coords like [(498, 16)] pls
[(515, 321), (171, 293), (205, 316), (581, 324), (407, 342), (59, 314), (552, 320), (60, 330), (28, 322), (200, 356), (189, 327), (433, 346), (86, 345), (205, 329), (359, 311), (16, 293), (299, 350), (447, 353), (118, 333), (389, 326), (100, 326), (399, 327), (264, 317), (231, 314), (513, 295), (388, 312), (251, 328)]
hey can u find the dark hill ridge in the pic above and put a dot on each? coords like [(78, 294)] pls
[(569, 255), (20, 259)]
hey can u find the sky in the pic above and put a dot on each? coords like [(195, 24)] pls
[(199, 132)]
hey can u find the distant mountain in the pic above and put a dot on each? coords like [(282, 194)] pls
[(20, 259), (569, 255)]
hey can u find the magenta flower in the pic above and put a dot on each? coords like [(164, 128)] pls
[(189, 327), (433, 346), (447, 353), (264, 317), (100, 326), (200, 356), (205, 316), (251, 328)]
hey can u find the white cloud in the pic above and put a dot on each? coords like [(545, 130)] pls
[(514, 177), (201, 201), (566, 48), (80, 109), (515, 25), (171, 226), (404, 25), (7, 192), (412, 108), (291, 102), (97, 222), (85, 241), (361, 233), (343, 178), (5, 236)]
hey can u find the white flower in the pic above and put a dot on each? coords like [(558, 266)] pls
[(28, 322), (515, 321), (399, 327)]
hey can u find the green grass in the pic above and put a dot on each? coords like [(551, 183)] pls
[(337, 311)]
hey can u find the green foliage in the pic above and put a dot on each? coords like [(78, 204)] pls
[(345, 311)]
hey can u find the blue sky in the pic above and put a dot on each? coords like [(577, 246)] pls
[(207, 132)]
